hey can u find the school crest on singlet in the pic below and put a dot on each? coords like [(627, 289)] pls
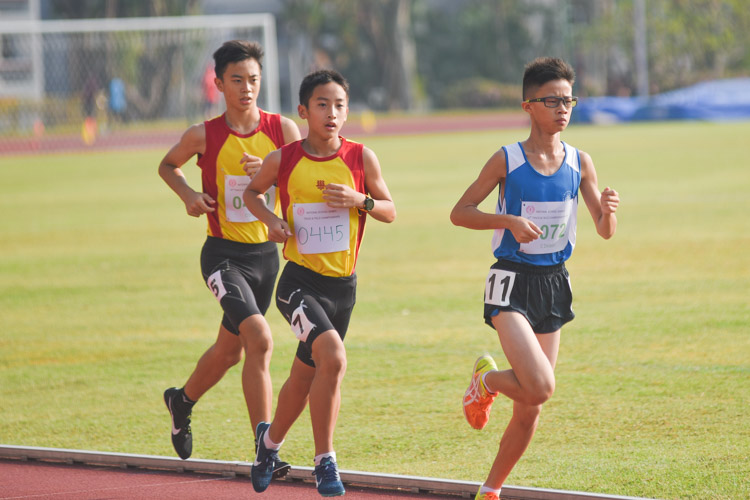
[(325, 240)]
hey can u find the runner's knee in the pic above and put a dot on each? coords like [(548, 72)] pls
[(256, 335), (329, 355)]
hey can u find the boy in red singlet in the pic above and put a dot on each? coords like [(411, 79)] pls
[(327, 186), (238, 262)]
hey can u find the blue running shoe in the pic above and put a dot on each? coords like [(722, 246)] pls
[(327, 478), (262, 470)]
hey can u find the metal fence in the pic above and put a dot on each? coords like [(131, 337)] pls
[(87, 80)]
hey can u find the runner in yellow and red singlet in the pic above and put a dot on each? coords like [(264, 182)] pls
[(238, 262), (328, 186)]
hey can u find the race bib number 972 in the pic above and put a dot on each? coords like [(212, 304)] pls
[(552, 218), (498, 287)]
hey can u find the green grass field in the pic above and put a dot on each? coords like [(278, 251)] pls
[(102, 307)]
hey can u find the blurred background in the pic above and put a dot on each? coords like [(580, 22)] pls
[(101, 72)]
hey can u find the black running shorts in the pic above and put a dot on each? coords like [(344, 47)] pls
[(541, 293), (313, 304), (241, 276)]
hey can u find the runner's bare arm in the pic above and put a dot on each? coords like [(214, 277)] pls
[(192, 142)]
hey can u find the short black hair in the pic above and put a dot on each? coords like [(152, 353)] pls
[(545, 69), (235, 51), (317, 78)]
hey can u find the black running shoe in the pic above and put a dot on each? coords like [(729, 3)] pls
[(280, 468), (182, 437)]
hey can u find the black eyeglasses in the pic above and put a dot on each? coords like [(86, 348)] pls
[(553, 102)]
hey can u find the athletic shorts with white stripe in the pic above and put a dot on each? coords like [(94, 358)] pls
[(542, 294)]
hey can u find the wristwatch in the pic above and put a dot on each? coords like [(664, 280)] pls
[(369, 204)]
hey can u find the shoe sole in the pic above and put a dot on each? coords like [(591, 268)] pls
[(281, 471)]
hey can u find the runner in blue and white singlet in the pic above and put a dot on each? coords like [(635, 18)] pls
[(550, 202)]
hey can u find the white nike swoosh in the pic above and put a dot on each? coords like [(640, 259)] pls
[(290, 297), (174, 430)]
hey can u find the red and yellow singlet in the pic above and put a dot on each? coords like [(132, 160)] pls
[(225, 180), (325, 240)]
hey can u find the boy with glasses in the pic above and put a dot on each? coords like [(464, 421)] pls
[(527, 296)]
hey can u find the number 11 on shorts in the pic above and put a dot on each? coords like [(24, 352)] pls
[(498, 287)]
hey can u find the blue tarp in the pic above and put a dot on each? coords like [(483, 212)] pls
[(717, 100)]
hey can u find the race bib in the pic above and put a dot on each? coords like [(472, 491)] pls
[(552, 218), (319, 228), (234, 206), (498, 287), (216, 285), (300, 323)]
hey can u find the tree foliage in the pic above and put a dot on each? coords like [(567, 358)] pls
[(404, 54), (92, 9), (477, 42), (370, 41)]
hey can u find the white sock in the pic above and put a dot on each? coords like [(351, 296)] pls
[(270, 444), (484, 382), (486, 489), (320, 457)]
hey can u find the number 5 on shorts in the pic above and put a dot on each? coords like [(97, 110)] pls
[(498, 287), (216, 285)]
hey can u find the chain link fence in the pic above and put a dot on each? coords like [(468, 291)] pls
[(103, 83)]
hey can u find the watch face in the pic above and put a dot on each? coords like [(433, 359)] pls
[(369, 204)]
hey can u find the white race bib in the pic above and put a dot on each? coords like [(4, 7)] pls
[(498, 287), (216, 285), (300, 323), (319, 228), (552, 217), (234, 206)]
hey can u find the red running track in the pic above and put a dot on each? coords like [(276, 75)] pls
[(385, 125), (43, 480)]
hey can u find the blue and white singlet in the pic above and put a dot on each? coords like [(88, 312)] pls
[(551, 202)]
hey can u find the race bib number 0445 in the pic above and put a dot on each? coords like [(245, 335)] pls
[(319, 228)]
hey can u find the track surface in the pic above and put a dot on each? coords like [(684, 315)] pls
[(387, 125), (34, 479), (40, 480)]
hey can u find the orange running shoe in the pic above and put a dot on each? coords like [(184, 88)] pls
[(486, 496), (477, 400)]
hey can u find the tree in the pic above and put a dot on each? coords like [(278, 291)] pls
[(388, 24), (687, 41), (370, 42)]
